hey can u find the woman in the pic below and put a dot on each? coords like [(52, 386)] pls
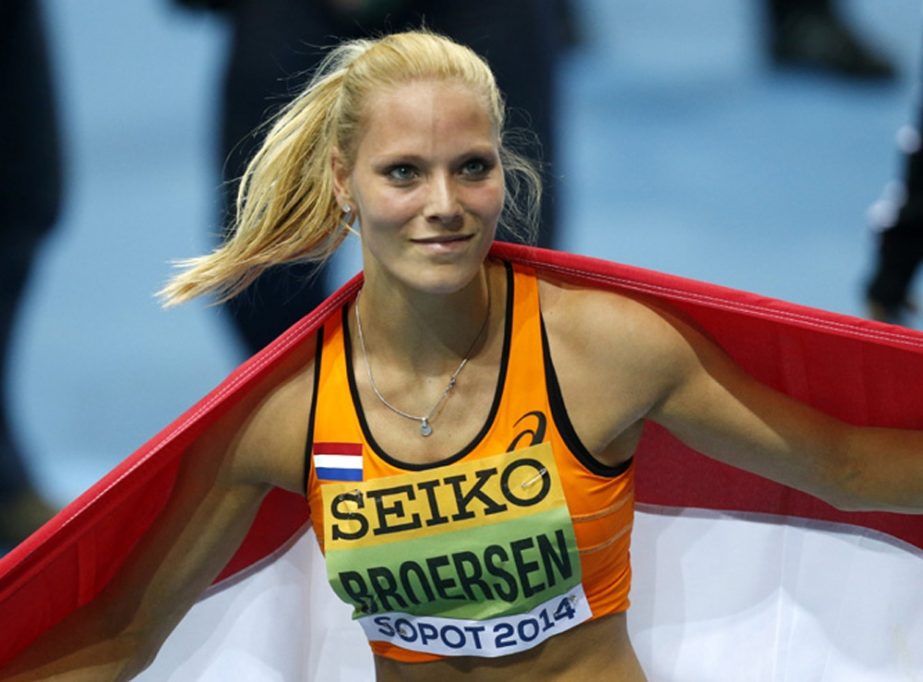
[(470, 426)]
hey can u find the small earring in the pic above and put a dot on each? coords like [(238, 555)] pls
[(347, 209)]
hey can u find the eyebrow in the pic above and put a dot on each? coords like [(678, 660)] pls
[(387, 158)]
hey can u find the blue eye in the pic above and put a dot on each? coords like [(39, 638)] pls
[(402, 173), (476, 168)]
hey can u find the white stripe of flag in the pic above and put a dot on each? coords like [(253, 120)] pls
[(338, 463)]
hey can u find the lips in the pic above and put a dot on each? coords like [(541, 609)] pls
[(442, 240)]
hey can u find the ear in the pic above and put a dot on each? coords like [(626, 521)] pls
[(341, 175)]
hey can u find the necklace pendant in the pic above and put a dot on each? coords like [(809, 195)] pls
[(425, 428)]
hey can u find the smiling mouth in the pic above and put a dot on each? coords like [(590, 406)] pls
[(442, 240)]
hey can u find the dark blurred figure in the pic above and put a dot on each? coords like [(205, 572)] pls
[(277, 43), (900, 243), (811, 34), (30, 195)]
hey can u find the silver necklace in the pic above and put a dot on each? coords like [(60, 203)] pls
[(426, 427)]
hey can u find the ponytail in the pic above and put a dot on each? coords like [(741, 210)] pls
[(286, 211)]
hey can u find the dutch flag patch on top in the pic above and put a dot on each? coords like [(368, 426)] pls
[(338, 461)]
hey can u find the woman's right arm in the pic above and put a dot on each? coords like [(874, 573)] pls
[(222, 481)]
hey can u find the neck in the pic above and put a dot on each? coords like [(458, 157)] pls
[(424, 332)]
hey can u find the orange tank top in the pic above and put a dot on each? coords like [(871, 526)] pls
[(520, 536)]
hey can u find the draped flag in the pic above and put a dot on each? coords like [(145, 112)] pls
[(736, 578)]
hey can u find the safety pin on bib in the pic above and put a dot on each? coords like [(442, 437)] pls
[(532, 481)]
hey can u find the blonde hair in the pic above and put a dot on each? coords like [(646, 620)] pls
[(286, 211)]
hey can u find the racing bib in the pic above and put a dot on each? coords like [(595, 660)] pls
[(474, 559)]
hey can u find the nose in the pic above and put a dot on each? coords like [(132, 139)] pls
[(442, 201)]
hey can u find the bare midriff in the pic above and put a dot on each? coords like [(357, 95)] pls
[(597, 650)]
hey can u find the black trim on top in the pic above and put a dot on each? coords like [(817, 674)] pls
[(565, 427), (309, 444), (498, 393)]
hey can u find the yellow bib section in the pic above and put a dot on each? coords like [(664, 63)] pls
[(466, 496)]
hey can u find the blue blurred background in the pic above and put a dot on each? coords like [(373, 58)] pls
[(680, 150)]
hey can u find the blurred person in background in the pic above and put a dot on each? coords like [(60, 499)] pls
[(812, 34), (275, 42), (898, 218), (30, 198)]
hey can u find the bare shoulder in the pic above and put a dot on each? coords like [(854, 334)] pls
[(265, 433), (616, 358), (614, 328)]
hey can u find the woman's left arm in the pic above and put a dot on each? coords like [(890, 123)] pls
[(716, 408)]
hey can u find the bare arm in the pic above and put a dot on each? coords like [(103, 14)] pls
[(651, 365), (220, 486), (716, 408)]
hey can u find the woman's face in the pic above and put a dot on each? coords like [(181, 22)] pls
[(428, 185)]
